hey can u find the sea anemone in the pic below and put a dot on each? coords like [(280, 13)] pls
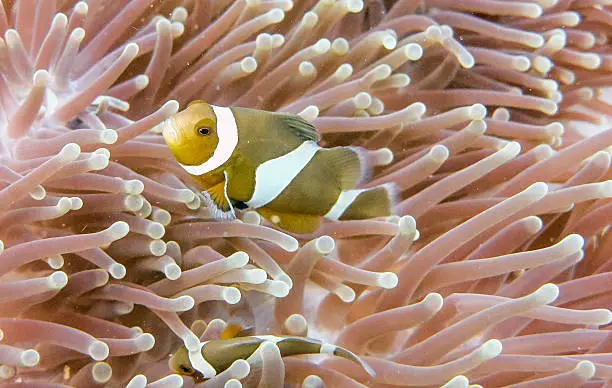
[(489, 116)]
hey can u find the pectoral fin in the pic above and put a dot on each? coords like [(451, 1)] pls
[(292, 222), (218, 202)]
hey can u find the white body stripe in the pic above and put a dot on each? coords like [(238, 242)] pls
[(227, 131), (273, 176), (328, 349), (345, 199), (269, 338)]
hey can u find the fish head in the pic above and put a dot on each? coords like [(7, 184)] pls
[(191, 134), (179, 363)]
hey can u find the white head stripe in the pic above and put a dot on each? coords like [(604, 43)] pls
[(227, 131), (345, 199), (200, 364), (273, 176)]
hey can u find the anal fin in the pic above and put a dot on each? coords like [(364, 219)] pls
[(292, 222)]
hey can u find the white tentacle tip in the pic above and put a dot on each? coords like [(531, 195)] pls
[(238, 259), (490, 349), (81, 7), (108, 136), (533, 224), (406, 225), (418, 108), (457, 382), (59, 21), (439, 153), (285, 279), (291, 244), (119, 229), (232, 383), (313, 381), (478, 127), (413, 51), (322, 46), (170, 107), (573, 243), (433, 301), (138, 381), (384, 157), (70, 152), (255, 276), (310, 113), (145, 342), (6, 372), (325, 244), (275, 15), (231, 295), (605, 189), (131, 50), (117, 271), (278, 288), (57, 280), (184, 303), (584, 370), (240, 369), (142, 81), (387, 280), (170, 381), (98, 350), (512, 149), (101, 372), (248, 65), (296, 324), (478, 112), (163, 25), (546, 294), (41, 78), (538, 190), (29, 358)]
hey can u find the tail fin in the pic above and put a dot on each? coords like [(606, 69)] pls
[(368, 159), (362, 204), (351, 166), (302, 345), (341, 352)]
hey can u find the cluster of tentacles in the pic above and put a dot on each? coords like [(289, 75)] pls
[(496, 269)]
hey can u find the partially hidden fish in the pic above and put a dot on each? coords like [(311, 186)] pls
[(220, 354), (271, 162)]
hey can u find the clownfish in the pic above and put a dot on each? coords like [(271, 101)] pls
[(271, 162), (218, 355)]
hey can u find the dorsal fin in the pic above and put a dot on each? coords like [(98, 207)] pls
[(300, 127)]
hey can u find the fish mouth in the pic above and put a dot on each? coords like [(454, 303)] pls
[(169, 133)]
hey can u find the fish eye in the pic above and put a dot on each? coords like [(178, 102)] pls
[(186, 369), (203, 131)]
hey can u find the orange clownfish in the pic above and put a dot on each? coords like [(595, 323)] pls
[(271, 162)]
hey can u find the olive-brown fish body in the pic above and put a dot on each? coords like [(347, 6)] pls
[(221, 354), (272, 163)]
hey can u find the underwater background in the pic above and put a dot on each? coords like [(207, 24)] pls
[(492, 117)]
